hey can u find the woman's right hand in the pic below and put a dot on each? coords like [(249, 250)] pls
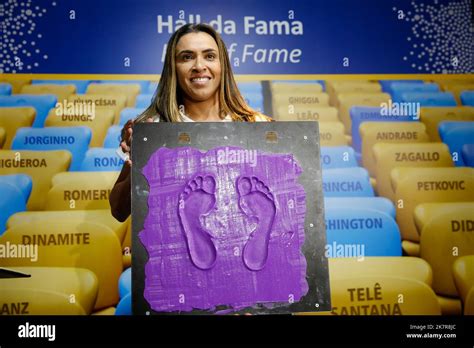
[(126, 136)]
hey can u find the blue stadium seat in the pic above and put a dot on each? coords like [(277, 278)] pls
[(402, 87), (124, 307), (250, 87), (5, 89), (374, 232), (100, 159), (455, 135), (429, 98), (112, 139), (347, 182), (468, 154), (125, 283), (337, 157), (361, 114), (13, 201), (143, 101), (42, 104), (21, 181), (381, 204), (387, 84), (129, 113), (254, 100), (151, 88), (81, 85), (144, 84), (74, 139), (467, 98)]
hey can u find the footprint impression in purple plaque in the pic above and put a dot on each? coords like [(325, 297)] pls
[(224, 227)]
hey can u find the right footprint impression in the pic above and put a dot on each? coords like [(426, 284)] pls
[(257, 202)]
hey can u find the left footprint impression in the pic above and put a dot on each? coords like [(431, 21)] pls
[(195, 202)]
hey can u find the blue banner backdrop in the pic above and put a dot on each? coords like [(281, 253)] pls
[(263, 37)]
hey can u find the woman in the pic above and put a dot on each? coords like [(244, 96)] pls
[(196, 85)]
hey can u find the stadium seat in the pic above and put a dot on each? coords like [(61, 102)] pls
[(299, 100), (444, 238), (113, 136), (80, 190), (428, 98), (98, 123), (415, 186), (372, 133), (100, 159), (254, 100), (115, 102), (130, 90), (81, 85), (337, 157), (347, 182), (3, 137), (335, 88), (403, 267), (469, 303), (381, 204), (246, 87), (455, 135), (103, 217), (5, 88), (350, 100), (152, 87), (15, 82), (332, 134), (283, 88), (40, 166), (468, 154), (381, 295), (467, 98), (61, 92), (81, 244), (361, 114), (304, 113), (41, 103), (73, 139), (396, 89), (12, 202), (463, 275), (129, 114), (125, 306), (390, 155), (359, 232), (144, 84), (143, 101), (432, 116), (21, 181), (105, 311), (13, 118), (387, 84), (125, 283), (49, 291)]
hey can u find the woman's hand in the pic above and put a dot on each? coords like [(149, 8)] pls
[(126, 142)]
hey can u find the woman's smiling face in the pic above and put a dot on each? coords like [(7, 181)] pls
[(198, 67)]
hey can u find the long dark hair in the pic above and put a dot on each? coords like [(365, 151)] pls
[(167, 96)]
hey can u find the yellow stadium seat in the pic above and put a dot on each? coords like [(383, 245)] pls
[(49, 291), (64, 243), (17, 84), (295, 88), (404, 267), (381, 295), (98, 123), (334, 88), (115, 102), (445, 237), (391, 155), (411, 248), (299, 100), (432, 116), (13, 118), (3, 137), (106, 311), (348, 100), (463, 273), (469, 304), (80, 191), (60, 91), (388, 132), (129, 90), (305, 113), (40, 165), (449, 305), (332, 134), (414, 186), (104, 217)]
